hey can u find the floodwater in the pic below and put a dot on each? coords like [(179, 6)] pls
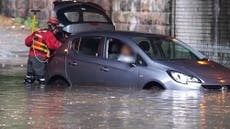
[(110, 108)]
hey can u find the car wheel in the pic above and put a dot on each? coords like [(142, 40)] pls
[(58, 82), (153, 86), (156, 88)]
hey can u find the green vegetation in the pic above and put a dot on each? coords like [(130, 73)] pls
[(27, 21), (18, 20)]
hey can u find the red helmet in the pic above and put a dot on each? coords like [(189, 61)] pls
[(53, 21)]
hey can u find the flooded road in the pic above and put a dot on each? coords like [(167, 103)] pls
[(110, 108)]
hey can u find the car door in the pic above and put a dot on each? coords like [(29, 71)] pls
[(114, 72), (82, 63)]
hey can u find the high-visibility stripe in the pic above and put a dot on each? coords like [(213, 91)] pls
[(40, 43), (41, 49), (38, 35), (40, 46)]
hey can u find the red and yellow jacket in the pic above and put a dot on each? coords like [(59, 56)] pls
[(41, 42)]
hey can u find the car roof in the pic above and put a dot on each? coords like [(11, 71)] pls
[(121, 34)]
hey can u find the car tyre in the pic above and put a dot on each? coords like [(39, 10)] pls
[(58, 82), (153, 86)]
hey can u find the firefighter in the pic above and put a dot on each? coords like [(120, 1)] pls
[(62, 35), (41, 43)]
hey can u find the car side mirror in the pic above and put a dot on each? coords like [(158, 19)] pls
[(206, 59)]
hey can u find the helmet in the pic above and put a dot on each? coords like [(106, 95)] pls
[(53, 21), (53, 25)]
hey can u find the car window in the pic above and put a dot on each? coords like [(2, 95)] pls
[(148, 48), (72, 16), (88, 46), (157, 48), (76, 44), (119, 51), (81, 13), (93, 17), (175, 51)]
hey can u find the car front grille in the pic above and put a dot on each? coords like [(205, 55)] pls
[(216, 86)]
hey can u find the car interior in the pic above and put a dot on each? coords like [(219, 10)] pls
[(114, 51), (114, 47), (91, 46), (87, 46), (163, 49)]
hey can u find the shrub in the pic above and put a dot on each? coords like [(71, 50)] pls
[(18, 20), (29, 21)]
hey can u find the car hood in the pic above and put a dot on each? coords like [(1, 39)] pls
[(210, 72)]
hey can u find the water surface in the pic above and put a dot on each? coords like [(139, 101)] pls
[(110, 108)]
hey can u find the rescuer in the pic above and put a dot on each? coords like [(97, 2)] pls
[(41, 43)]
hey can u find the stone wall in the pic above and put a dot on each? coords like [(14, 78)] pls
[(136, 15), (21, 8), (142, 15)]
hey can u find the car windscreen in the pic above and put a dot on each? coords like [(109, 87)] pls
[(167, 49)]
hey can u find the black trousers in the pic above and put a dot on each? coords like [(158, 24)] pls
[(36, 68)]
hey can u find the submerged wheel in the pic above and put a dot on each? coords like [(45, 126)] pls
[(153, 86), (58, 82)]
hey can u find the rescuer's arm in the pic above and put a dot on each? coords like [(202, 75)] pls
[(29, 40), (52, 42)]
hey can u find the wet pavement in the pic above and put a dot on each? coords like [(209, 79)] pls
[(13, 54), (13, 49), (109, 108)]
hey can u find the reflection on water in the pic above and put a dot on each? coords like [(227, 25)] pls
[(110, 108)]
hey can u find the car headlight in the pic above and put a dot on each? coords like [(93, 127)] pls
[(183, 78)]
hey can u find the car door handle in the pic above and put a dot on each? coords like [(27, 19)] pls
[(104, 69), (73, 63)]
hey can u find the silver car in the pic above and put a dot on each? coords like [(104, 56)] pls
[(96, 55), (135, 60)]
